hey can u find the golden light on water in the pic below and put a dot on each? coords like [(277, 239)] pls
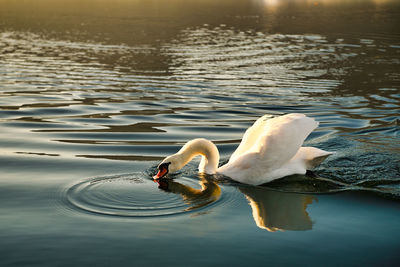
[(276, 3)]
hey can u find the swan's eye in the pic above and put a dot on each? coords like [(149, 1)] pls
[(162, 170)]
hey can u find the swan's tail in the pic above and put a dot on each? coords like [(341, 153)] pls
[(314, 156)]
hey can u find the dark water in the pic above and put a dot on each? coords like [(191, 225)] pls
[(93, 94)]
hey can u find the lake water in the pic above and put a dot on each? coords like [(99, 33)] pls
[(95, 93)]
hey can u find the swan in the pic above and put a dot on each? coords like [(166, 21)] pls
[(270, 149)]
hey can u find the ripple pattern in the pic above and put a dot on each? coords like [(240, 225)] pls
[(132, 195)]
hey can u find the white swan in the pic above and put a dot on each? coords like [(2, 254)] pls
[(270, 149)]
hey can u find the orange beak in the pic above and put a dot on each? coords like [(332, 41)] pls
[(161, 173)]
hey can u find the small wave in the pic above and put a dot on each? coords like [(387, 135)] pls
[(313, 184), (307, 184)]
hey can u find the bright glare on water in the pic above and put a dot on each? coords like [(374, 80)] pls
[(95, 93)]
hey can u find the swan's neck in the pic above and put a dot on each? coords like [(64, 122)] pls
[(203, 147)]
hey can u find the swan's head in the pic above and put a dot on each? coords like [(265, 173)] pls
[(169, 165)]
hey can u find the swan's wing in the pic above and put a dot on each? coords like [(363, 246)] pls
[(282, 138), (276, 140), (250, 137)]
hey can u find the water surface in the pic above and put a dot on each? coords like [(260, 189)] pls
[(94, 94)]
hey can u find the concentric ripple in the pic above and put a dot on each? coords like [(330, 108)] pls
[(134, 195)]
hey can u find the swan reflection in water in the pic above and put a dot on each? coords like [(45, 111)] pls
[(194, 198), (272, 210)]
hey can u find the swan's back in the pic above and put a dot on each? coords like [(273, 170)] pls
[(279, 137), (267, 146)]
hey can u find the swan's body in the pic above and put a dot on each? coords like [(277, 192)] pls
[(270, 149)]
